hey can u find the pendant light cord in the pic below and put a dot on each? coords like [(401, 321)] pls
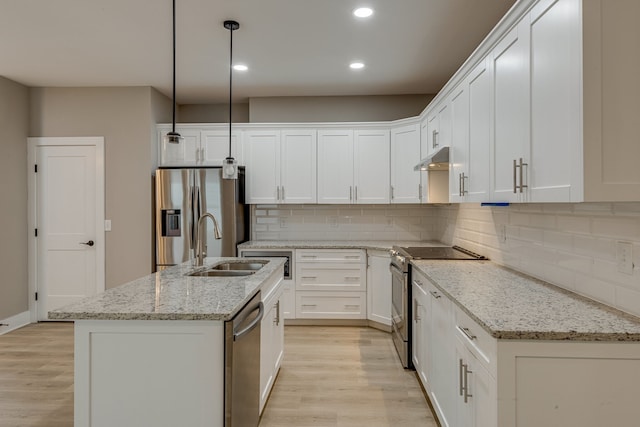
[(173, 128), (230, 84)]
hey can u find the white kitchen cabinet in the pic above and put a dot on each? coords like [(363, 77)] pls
[(186, 153), (281, 166), (476, 397), (272, 339), (262, 150), (214, 147), (298, 166), (469, 179), (371, 166), (379, 287), (405, 153), (200, 146), (420, 333), (353, 166), (335, 166), (441, 369), (331, 284), (510, 62)]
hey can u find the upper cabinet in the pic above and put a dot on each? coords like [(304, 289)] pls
[(200, 146), (405, 154), (281, 166), (353, 166)]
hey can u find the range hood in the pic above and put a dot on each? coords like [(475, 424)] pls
[(438, 161)]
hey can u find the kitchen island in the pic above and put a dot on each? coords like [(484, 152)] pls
[(151, 352)]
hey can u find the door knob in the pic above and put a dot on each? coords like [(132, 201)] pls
[(89, 243)]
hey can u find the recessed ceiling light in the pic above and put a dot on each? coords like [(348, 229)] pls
[(240, 67), (363, 12), (356, 65)]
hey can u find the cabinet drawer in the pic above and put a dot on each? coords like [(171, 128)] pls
[(482, 345), (330, 255), (327, 305), (330, 276)]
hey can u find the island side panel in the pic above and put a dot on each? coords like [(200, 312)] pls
[(149, 373)]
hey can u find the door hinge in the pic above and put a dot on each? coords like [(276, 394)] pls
[(35, 169), (36, 296), (36, 232)]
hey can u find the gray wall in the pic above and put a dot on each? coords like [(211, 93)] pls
[(125, 117), (14, 125), (336, 108), (212, 113)]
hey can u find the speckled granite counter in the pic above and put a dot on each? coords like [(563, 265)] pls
[(382, 245), (510, 305), (172, 295)]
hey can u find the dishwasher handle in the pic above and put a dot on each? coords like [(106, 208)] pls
[(251, 326)]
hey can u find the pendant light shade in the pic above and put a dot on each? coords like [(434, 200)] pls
[(174, 137), (230, 166)]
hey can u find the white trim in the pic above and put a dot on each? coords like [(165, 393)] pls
[(32, 144), (15, 322)]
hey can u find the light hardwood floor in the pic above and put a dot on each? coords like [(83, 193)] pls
[(330, 376)]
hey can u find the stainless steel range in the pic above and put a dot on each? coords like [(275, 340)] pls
[(401, 289)]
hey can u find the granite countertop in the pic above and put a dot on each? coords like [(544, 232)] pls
[(511, 305), (171, 295), (383, 245)]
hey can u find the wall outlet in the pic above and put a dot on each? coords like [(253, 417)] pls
[(107, 225), (624, 257)]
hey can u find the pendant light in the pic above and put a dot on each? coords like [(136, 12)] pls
[(230, 166), (174, 137)]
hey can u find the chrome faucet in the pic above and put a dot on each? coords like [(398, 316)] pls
[(200, 236)]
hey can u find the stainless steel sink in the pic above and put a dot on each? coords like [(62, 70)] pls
[(254, 265), (231, 269), (222, 273)]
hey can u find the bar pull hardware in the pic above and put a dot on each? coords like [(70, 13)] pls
[(522, 165), (434, 136), (420, 192), (352, 305), (351, 278), (460, 375), (309, 277), (350, 192), (463, 190), (515, 184), (356, 193), (392, 195), (309, 305), (435, 294), (467, 395), (352, 256), (309, 256), (415, 310), (278, 192), (282, 193), (277, 319), (418, 282), (468, 333)]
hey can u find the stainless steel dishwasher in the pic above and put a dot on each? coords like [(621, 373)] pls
[(242, 366)]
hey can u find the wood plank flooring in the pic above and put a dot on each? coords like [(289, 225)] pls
[(330, 376)]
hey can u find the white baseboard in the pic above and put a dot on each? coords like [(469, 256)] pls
[(15, 322)]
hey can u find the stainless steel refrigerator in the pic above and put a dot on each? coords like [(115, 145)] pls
[(182, 195)]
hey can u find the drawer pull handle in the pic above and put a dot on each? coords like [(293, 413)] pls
[(468, 333), (417, 282), (309, 277), (352, 256), (309, 305), (352, 305), (435, 294), (352, 277), (309, 256)]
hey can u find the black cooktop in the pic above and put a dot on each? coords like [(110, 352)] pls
[(440, 252)]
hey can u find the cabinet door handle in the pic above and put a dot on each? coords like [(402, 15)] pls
[(435, 294), (515, 184), (309, 305), (392, 195), (416, 304), (277, 319), (468, 333), (460, 376), (352, 277), (352, 256), (420, 192), (356, 193), (282, 193), (434, 136), (460, 185), (418, 282), (522, 165), (350, 192), (467, 395), (309, 256), (277, 193), (309, 277), (352, 305)]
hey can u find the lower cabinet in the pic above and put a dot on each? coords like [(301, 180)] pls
[(272, 340), (475, 380), (379, 287), (331, 284)]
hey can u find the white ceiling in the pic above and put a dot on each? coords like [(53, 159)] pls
[(292, 47)]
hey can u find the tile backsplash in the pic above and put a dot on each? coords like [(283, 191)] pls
[(345, 222), (570, 245)]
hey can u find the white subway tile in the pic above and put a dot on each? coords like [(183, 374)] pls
[(573, 262), (558, 240), (573, 224), (607, 270), (628, 300), (593, 208), (516, 218), (628, 228), (626, 209), (595, 247), (595, 288)]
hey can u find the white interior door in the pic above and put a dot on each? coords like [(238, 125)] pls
[(68, 218)]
